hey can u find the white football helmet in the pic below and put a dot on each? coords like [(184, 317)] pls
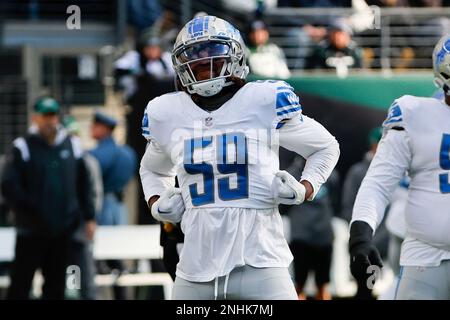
[(441, 63), (207, 51)]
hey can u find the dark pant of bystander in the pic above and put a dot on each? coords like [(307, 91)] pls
[(34, 252)]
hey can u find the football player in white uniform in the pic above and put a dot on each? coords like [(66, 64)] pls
[(220, 137), (416, 140)]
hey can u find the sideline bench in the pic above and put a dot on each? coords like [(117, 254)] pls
[(116, 242)]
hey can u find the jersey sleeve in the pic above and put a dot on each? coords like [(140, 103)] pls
[(386, 170), (157, 171), (287, 104), (145, 127), (312, 141), (391, 161), (156, 120), (401, 113), (394, 118)]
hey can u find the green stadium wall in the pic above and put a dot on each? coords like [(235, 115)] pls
[(349, 108)]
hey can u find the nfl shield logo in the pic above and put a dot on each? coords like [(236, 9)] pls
[(208, 121)]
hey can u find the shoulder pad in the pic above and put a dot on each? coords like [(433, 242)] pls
[(394, 117), (156, 110), (287, 103), (400, 110)]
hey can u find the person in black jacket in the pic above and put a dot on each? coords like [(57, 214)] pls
[(46, 184), (338, 51)]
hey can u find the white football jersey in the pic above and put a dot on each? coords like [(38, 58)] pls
[(417, 140), (225, 161), (395, 220), (227, 157)]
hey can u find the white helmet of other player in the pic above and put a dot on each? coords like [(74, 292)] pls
[(441, 63)]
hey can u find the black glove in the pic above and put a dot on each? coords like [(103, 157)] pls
[(362, 252)]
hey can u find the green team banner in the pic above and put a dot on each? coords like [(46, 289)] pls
[(349, 108), (367, 90)]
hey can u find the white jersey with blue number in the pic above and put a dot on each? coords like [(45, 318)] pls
[(416, 140), (225, 161), (224, 158)]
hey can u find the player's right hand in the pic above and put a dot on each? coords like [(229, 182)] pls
[(286, 189), (169, 207), (363, 253)]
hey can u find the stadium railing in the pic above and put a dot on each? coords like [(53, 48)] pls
[(391, 38)]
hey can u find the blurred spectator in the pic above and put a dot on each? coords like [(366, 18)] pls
[(389, 3), (5, 216), (302, 38), (166, 28), (409, 3), (426, 3), (338, 51), (148, 88), (105, 11), (355, 176), (118, 165), (3, 205), (81, 248), (312, 234), (4, 266), (265, 59), (249, 7), (314, 3), (73, 128), (315, 32), (142, 14), (46, 183), (149, 60)]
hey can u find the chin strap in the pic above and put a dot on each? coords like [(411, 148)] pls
[(208, 88), (202, 92), (446, 90)]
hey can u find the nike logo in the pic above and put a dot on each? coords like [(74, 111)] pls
[(159, 211), (291, 198)]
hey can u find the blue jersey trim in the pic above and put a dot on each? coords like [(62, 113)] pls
[(289, 111)]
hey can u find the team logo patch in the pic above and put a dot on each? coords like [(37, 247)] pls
[(64, 154), (394, 115)]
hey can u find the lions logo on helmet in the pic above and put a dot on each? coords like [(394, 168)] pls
[(207, 51), (441, 63)]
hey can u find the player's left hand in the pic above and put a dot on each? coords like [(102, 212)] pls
[(169, 207), (286, 189), (363, 253)]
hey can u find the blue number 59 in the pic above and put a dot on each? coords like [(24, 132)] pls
[(444, 162), (238, 165)]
